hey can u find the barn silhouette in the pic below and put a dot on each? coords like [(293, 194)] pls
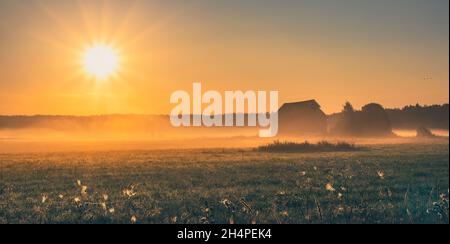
[(302, 118)]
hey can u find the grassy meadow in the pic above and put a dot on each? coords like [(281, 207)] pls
[(404, 183)]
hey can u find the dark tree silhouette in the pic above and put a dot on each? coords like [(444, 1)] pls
[(414, 116), (348, 108), (372, 120)]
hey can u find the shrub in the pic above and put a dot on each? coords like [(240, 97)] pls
[(322, 146)]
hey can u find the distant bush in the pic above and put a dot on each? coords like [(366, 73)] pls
[(322, 146), (424, 132)]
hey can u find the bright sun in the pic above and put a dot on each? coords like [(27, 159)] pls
[(100, 61)]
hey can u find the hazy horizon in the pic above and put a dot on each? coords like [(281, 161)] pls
[(156, 114)]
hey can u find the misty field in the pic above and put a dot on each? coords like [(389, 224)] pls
[(383, 184)]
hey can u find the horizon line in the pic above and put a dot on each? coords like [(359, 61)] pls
[(159, 114)]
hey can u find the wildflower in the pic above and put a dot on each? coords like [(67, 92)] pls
[(380, 174), (284, 213), (231, 220), (79, 183), (84, 190), (77, 200), (111, 210), (174, 219), (302, 173), (281, 193), (315, 168), (329, 187), (255, 217), (340, 195), (61, 196), (129, 192), (44, 198), (227, 203), (103, 206), (133, 219), (105, 197)]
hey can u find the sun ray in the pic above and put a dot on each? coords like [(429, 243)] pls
[(126, 20), (85, 18), (149, 30), (62, 25)]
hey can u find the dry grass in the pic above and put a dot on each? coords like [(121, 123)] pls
[(386, 184)]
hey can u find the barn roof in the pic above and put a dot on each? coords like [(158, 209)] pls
[(304, 104)]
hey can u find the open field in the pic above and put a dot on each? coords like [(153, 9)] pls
[(399, 183)]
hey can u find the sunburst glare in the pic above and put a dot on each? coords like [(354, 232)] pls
[(100, 61)]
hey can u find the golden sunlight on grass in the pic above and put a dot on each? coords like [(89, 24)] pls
[(101, 61)]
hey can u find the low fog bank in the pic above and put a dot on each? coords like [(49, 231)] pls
[(21, 141), (298, 122)]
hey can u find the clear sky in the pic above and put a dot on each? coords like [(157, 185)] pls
[(394, 52)]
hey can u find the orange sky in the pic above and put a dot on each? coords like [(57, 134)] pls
[(392, 53)]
